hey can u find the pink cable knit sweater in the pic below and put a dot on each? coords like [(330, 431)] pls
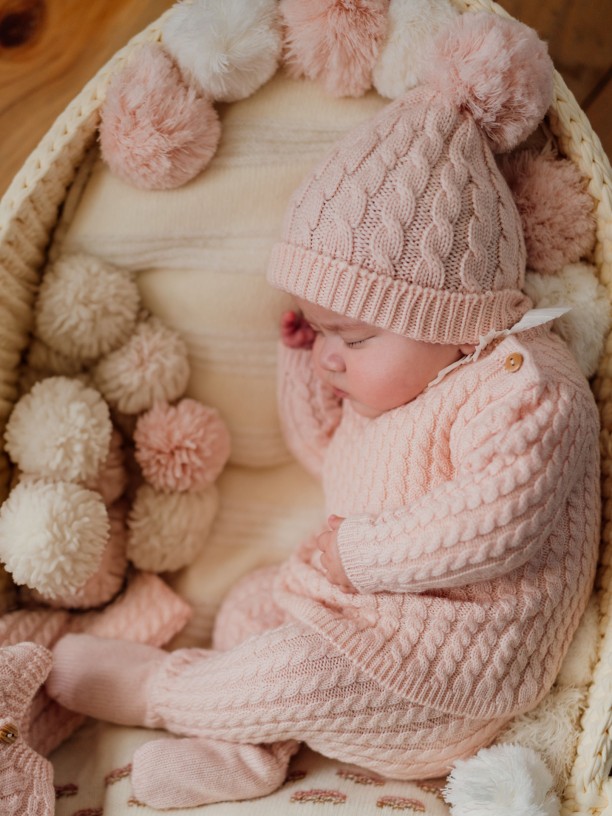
[(471, 536), (471, 529)]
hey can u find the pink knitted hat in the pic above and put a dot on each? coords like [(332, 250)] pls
[(409, 225)]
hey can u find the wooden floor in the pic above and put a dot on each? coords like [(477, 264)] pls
[(50, 48)]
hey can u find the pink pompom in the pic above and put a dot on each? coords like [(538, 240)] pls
[(497, 69), (555, 208), (156, 132), (182, 447), (335, 41)]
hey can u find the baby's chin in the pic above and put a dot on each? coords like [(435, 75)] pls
[(373, 411), (368, 411)]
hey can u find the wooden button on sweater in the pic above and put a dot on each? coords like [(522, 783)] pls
[(8, 733), (513, 362)]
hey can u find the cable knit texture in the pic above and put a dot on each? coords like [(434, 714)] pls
[(471, 528), (148, 611), (408, 225), (26, 778), (471, 536)]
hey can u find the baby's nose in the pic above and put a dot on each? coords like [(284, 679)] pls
[(332, 361)]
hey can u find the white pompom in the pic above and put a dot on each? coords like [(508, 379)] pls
[(412, 24), (586, 326), (227, 47), (551, 729), (61, 429), (85, 307), (52, 535), (151, 367), (504, 780), (168, 530)]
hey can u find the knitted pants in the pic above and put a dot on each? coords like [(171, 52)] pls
[(268, 684)]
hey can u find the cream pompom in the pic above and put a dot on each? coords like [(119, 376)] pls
[(586, 326), (52, 535), (168, 530), (108, 579), (228, 48), (411, 26), (86, 307), (151, 367), (61, 429)]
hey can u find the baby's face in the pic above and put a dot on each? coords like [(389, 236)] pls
[(376, 370)]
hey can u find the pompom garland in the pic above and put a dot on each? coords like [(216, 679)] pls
[(156, 132), (497, 69), (227, 48), (151, 367), (52, 535), (555, 207), (334, 41), (411, 27), (85, 307), (61, 430), (182, 447), (168, 530)]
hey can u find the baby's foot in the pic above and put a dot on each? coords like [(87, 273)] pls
[(179, 773), (103, 678)]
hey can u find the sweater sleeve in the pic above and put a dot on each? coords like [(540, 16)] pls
[(515, 465), (309, 411)]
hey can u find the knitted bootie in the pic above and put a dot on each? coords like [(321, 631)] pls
[(103, 678), (179, 773)]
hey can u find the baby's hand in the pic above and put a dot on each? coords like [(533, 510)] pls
[(330, 558), (296, 332)]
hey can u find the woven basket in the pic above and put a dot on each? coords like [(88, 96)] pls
[(29, 213)]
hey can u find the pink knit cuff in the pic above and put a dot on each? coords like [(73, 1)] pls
[(429, 315), (352, 545)]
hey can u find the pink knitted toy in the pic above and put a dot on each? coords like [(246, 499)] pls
[(457, 442)]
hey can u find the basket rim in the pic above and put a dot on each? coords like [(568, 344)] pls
[(577, 140)]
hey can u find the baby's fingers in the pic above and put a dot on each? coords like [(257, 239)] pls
[(295, 331)]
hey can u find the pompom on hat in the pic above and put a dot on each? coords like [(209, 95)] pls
[(409, 225)]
